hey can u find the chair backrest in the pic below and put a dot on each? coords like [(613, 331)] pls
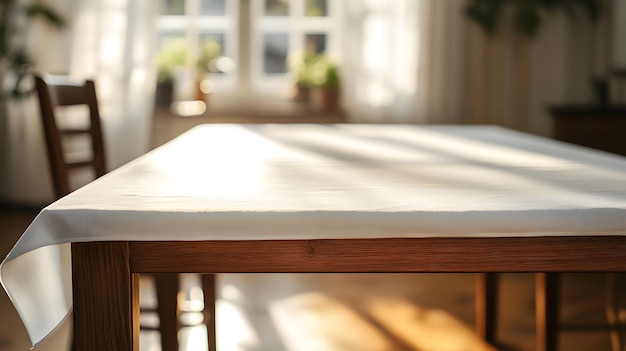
[(56, 92)]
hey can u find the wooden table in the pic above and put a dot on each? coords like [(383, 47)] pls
[(329, 198), (106, 310)]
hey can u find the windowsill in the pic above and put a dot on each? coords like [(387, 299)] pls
[(168, 124), (275, 110)]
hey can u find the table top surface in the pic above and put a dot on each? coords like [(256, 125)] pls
[(220, 182), (284, 182)]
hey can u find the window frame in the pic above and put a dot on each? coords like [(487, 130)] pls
[(244, 26)]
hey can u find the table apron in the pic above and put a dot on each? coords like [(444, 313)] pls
[(388, 255)]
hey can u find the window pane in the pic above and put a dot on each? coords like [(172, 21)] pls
[(275, 50), (277, 7), (171, 41), (316, 8), (213, 7), (315, 43), (173, 7)]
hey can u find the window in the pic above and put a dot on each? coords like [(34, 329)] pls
[(196, 39), (284, 27), (243, 46)]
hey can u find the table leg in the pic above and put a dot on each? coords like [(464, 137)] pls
[(210, 298), (167, 309), (487, 306), (612, 311), (547, 310), (105, 297)]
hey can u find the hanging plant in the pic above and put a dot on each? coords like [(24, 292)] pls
[(13, 55), (528, 14)]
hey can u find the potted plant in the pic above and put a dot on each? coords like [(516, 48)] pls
[(301, 69), (173, 55), (326, 82)]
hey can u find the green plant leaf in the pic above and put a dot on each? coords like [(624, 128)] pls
[(527, 17), (528, 13), (485, 13), (45, 12)]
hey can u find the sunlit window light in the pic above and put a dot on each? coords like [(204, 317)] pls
[(189, 108), (206, 86), (225, 64)]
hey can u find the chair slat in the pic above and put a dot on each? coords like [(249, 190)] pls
[(74, 131), (80, 164)]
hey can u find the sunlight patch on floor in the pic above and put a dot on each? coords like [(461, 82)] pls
[(425, 329), (193, 339), (315, 321), (234, 329)]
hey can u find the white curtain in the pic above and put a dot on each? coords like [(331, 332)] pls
[(113, 42), (423, 61), (403, 60), (110, 41)]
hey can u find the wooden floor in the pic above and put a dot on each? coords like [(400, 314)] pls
[(420, 312), (390, 312)]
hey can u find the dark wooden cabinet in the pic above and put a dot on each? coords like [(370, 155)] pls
[(598, 127)]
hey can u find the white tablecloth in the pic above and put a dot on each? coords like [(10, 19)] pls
[(236, 182)]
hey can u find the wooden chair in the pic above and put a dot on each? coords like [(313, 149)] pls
[(547, 318), (57, 92), (548, 292)]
